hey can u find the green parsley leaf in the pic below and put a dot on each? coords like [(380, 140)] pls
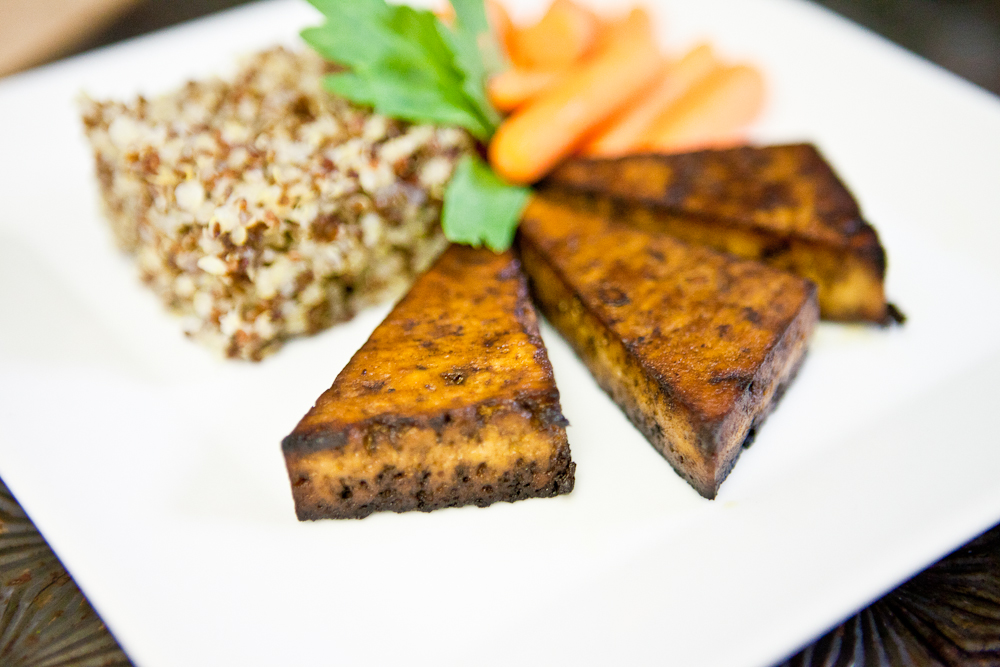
[(477, 53), (471, 18), (404, 62), (480, 208), (395, 96)]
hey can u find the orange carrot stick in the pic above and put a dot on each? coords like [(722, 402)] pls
[(563, 35), (500, 21), (712, 112), (514, 87), (530, 142), (445, 13), (624, 132)]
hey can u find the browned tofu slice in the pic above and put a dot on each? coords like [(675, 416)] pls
[(694, 345), (782, 205), (450, 402)]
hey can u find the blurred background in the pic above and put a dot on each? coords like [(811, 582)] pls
[(960, 35)]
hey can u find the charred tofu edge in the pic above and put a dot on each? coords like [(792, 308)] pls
[(840, 251), (701, 451), (850, 277), (495, 451), (507, 443)]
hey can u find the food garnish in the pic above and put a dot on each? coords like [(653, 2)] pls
[(580, 83), (512, 88), (476, 193), (565, 34), (536, 138), (713, 111), (626, 132), (407, 63), (693, 100)]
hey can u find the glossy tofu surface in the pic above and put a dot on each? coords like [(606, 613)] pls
[(782, 205), (694, 345), (451, 401), (465, 333)]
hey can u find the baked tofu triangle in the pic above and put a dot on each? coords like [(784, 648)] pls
[(781, 205), (694, 345), (450, 402)]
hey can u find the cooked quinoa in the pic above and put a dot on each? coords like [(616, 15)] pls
[(265, 208)]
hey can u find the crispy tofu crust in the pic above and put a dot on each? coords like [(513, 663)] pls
[(694, 345), (782, 205), (450, 402)]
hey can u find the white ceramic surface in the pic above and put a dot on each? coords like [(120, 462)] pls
[(155, 470)]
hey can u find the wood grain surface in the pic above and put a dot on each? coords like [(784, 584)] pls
[(44, 618), (948, 616)]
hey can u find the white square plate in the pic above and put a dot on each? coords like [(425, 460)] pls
[(155, 469)]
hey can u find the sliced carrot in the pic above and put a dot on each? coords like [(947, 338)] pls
[(531, 141), (519, 85), (609, 26), (622, 133), (445, 13), (500, 21), (564, 34), (513, 88), (715, 110)]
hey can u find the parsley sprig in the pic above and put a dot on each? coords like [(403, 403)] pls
[(407, 64)]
